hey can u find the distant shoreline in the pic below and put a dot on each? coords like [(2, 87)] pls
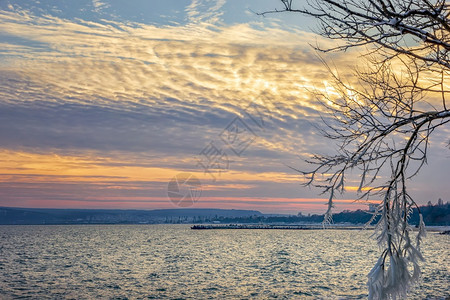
[(433, 215), (318, 226)]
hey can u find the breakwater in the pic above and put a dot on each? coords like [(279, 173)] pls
[(267, 226)]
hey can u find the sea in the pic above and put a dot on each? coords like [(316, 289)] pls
[(176, 262)]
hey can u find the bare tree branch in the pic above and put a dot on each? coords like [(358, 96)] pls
[(382, 125), (416, 28)]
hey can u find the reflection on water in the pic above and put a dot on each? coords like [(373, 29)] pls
[(174, 262)]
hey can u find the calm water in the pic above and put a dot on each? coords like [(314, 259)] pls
[(174, 262)]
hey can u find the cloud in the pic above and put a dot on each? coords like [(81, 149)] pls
[(99, 5), (141, 101), (137, 64), (165, 77), (207, 11)]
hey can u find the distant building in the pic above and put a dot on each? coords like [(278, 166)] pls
[(373, 207)]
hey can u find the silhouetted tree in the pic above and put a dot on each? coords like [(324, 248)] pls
[(384, 123)]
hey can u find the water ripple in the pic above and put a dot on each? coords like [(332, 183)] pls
[(174, 262)]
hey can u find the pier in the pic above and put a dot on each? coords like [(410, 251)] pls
[(282, 227)]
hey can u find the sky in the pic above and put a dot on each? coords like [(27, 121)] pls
[(110, 104)]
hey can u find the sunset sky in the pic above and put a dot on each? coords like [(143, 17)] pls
[(102, 103)]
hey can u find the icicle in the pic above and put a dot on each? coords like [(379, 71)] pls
[(376, 280), (422, 232), (328, 218)]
